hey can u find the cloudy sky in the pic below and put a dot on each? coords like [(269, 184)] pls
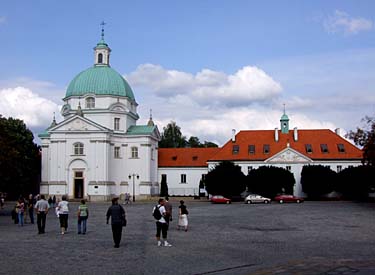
[(211, 66)]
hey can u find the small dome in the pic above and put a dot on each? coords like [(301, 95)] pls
[(284, 117), (99, 80)]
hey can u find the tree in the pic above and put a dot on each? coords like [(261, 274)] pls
[(172, 137), (164, 187), (209, 144), (269, 181), (317, 180), (194, 142), (225, 179), (19, 158), (365, 138)]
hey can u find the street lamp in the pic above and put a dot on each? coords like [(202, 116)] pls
[(130, 176)]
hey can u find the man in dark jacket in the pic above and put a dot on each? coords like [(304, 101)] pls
[(118, 218)]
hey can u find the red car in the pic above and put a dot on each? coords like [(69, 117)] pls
[(288, 198), (220, 199)]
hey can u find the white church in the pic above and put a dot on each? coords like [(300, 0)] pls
[(98, 151)]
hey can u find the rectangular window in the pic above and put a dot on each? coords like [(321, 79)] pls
[(339, 168), (324, 148), (266, 148), (134, 152), (289, 168), (251, 149), (78, 174), (235, 149), (183, 178), (308, 148), (249, 168), (116, 123), (341, 148), (117, 152)]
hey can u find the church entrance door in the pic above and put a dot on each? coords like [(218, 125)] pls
[(78, 185)]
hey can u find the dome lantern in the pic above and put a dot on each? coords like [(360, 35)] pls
[(102, 51)]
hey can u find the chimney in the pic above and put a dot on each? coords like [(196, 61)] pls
[(338, 131), (295, 136), (233, 135), (276, 135)]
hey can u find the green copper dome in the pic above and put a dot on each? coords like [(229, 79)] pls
[(99, 80), (284, 117)]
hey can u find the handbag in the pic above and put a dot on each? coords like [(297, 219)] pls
[(123, 221)]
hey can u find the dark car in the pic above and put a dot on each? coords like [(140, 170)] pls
[(288, 198)]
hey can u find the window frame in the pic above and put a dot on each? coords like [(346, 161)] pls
[(134, 152), (308, 148), (100, 58), (78, 149), (183, 179), (324, 148), (235, 149), (90, 102), (116, 152), (341, 148), (266, 148), (251, 149), (116, 124)]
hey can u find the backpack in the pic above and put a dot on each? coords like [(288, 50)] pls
[(156, 213)]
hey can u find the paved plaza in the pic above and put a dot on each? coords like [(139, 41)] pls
[(308, 238)]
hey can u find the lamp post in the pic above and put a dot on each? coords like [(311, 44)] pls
[(133, 176)]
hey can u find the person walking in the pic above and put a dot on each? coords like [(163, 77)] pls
[(20, 211), (41, 208), (63, 208), (83, 214), (159, 214), (30, 208), (118, 219), (182, 216)]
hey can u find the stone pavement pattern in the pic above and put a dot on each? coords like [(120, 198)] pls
[(311, 238)]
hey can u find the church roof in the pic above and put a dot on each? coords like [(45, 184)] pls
[(140, 130), (185, 157), (99, 80), (314, 139)]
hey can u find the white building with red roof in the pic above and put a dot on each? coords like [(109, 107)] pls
[(250, 149)]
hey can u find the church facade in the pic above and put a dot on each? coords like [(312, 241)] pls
[(98, 151)]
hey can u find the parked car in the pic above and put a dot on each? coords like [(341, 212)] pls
[(220, 199), (288, 198), (253, 198)]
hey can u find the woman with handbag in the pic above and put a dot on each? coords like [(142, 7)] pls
[(118, 220), (182, 216)]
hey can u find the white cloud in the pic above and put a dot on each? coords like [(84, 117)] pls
[(248, 85), (22, 103), (342, 22)]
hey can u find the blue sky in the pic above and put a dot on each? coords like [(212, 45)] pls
[(208, 65)]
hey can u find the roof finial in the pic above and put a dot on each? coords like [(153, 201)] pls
[(284, 108), (102, 24), (151, 114), (150, 122), (53, 121)]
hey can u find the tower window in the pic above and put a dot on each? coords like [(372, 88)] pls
[(266, 148), (251, 149), (341, 148), (235, 149), (78, 148), (134, 152), (324, 148), (308, 148), (100, 58), (90, 103), (116, 123)]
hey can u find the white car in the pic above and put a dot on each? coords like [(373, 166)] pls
[(252, 198)]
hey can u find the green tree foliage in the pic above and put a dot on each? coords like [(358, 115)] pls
[(269, 181), (225, 179), (172, 137), (365, 138), (164, 187), (317, 180), (19, 158), (356, 182)]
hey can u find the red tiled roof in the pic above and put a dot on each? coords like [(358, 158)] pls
[(185, 157), (313, 137)]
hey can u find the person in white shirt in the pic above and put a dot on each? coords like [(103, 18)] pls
[(63, 209), (41, 208), (161, 224)]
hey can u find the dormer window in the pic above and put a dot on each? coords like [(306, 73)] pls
[(266, 149), (341, 148), (90, 103), (174, 158), (308, 148), (324, 148), (195, 157), (251, 149), (100, 58), (235, 149)]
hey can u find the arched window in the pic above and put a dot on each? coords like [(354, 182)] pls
[(134, 152), (90, 103), (100, 58), (78, 148)]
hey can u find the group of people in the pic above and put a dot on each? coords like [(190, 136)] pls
[(162, 213)]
